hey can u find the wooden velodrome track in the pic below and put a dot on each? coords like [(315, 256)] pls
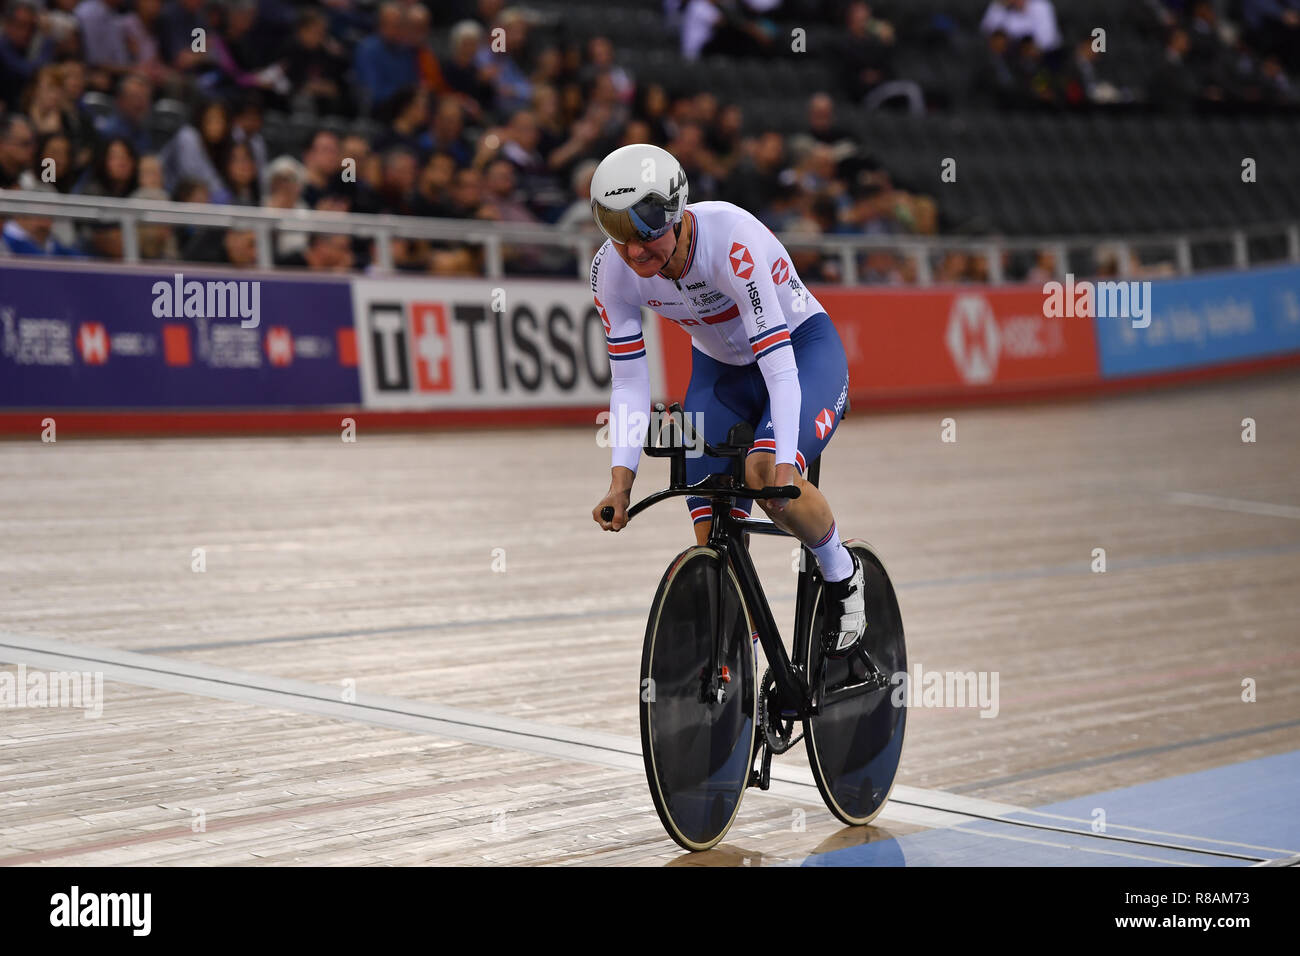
[(495, 718)]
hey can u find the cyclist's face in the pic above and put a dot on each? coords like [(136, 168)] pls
[(647, 258)]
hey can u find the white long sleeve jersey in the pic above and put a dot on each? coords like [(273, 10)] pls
[(739, 297)]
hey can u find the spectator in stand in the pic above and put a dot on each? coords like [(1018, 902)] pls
[(33, 236), (760, 175), (114, 173), (397, 191), (142, 29), (1173, 86), (602, 60), (432, 195), (822, 127), (994, 81), (150, 174), (504, 69), (17, 152), (130, 117), (462, 72), (519, 139), (579, 210), (864, 56), (384, 61), (501, 194), (315, 64), (1024, 18), (652, 106), (1038, 83), (44, 103), (427, 68), (198, 150), (324, 164), (103, 35), (322, 252), (466, 193), (157, 239), (1084, 85), (407, 115), (22, 53), (723, 137), (552, 129), (1273, 27), (285, 177), (246, 127), (241, 175), (180, 18), (55, 154)]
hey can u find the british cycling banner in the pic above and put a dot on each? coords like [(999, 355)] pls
[(461, 344), (89, 337)]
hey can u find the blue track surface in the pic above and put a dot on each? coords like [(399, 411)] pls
[(1251, 809)]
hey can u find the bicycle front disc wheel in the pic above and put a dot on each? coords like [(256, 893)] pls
[(697, 750)]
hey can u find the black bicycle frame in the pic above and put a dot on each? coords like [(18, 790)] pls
[(727, 536)]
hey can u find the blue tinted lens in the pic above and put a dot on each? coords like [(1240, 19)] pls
[(650, 217)]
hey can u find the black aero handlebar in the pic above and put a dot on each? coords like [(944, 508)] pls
[(701, 491), (739, 441)]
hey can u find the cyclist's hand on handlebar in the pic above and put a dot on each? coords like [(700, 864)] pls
[(618, 501), (785, 475)]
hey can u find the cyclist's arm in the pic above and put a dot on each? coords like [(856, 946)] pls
[(769, 337), (629, 394)]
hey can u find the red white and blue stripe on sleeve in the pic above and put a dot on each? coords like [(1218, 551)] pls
[(625, 347), (765, 343)]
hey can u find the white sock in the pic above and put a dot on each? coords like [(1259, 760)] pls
[(834, 558)]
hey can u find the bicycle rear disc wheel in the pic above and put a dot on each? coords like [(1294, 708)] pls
[(854, 744), (697, 751)]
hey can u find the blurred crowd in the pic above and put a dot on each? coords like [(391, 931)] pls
[(470, 109)]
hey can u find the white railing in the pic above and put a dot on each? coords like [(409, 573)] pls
[(494, 237)]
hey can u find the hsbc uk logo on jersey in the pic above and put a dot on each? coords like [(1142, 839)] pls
[(742, 263), (470, 351)]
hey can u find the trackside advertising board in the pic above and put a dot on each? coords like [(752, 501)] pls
[(464, 344), (205, 348), (110, 339), (1205, 321), (945, 343)]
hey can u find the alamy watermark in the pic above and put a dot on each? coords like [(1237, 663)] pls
[(132, 911), (629, 430), (81, 689), (1103, 300), (945, 689), (210, 299)]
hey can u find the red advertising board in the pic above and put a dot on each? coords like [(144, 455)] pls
[(928, 345)]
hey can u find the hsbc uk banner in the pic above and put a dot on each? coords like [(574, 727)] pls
[(124, 338), (939, 342), (466, 344)]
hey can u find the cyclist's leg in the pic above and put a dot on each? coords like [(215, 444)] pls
[(718, 396), (823, 385)]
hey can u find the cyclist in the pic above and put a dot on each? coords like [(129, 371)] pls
[(764, 351)]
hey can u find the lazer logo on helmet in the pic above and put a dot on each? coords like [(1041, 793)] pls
[(678, 181), (619, 192)]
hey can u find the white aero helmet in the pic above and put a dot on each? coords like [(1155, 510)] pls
[(638, 192)]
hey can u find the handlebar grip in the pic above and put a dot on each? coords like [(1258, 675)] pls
[(781, 491), (607, 513)]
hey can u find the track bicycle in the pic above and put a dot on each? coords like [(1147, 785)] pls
[(709, 726)]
